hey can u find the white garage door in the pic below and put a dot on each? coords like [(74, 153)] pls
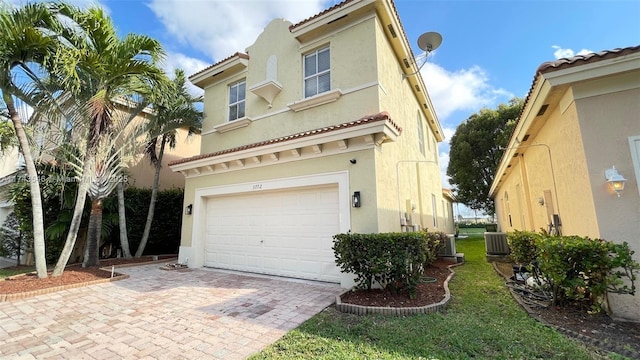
[(285, 232)]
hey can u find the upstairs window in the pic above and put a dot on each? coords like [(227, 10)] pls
[(317, 74), (237, 96)]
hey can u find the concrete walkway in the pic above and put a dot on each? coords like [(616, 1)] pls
[(157, 314)]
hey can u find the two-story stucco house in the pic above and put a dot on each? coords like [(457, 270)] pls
[(319, 128), (581, 118)]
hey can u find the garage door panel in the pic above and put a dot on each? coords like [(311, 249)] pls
[(286, 233)]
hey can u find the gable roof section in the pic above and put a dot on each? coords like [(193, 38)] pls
[(552, 76), (365, 133), (203, 77)]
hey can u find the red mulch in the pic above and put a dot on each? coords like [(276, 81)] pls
[(73, 274), (427, 293)]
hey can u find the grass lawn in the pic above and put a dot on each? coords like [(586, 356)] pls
[(483, 321), (13, 271)]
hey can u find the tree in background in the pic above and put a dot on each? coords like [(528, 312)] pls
[(174, 108), (476, 150)]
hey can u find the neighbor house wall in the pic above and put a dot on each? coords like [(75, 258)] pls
[(601, 103), (141, 174)]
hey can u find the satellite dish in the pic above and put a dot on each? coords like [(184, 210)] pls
[(429, 41)]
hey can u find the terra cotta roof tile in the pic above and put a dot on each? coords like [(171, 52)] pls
[(382, 116)]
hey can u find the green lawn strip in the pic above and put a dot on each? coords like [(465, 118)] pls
[(14, 271), (483, 321)]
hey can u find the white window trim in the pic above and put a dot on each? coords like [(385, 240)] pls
[(232, 125), (317, 100), (244, 100), (317, 74), (634, 147)]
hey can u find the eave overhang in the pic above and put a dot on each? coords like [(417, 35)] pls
[(366, 133), (549, 85), (230, 66)]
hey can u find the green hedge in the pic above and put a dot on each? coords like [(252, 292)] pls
[(167, 220), (577, 269), (393, 260), (583, 269), (524, 249)]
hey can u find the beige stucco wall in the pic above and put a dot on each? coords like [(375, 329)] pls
[(554, 165), (269, 123), (141, 174), (607, 145), (404, 173)]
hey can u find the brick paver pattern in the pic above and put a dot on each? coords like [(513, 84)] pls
[(156, 314)]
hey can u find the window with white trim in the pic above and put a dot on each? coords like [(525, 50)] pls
[(317, 72), (420, 135), (237, 95)]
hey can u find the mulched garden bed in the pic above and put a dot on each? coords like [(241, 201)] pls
[(427, 293), (595, 329)]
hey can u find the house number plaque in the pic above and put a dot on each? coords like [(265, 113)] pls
[(257, 186)]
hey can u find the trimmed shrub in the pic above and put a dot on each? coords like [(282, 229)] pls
[(524, 249), (583, 269), (165, 227), (393, 260)]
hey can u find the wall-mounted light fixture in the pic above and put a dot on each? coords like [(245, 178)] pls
[(615, 180), (541, 201), (355, 199), (188, 209)]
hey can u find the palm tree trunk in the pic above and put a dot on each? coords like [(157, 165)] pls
[(124, 240), (152, 203), (91, 255), (72, 235), (34, 185)]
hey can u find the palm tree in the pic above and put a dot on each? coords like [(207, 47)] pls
[(99, 69), (174, 108), (23, 46)]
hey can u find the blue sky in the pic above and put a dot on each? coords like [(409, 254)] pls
[(489, 54)]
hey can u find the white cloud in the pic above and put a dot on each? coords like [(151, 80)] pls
[(443, 160), (220, 28), (568, 53), (465, 89), (190, 66)]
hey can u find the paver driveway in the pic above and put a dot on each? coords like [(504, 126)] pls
[(156, 314)]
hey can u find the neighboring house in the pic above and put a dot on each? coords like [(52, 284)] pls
[(320, 128), (580, 118), (141, 174), (448, 198), (11, 163)]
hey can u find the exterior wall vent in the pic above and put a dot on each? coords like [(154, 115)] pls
[(417, 88), (496, 243), (525, 138), (406, 63), (392, 31), (542, 110)]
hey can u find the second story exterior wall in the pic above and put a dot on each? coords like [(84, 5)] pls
[(277, 57)]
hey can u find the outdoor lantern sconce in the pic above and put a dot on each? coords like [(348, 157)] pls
[(355, 199), (615, 180), (188, 209)]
